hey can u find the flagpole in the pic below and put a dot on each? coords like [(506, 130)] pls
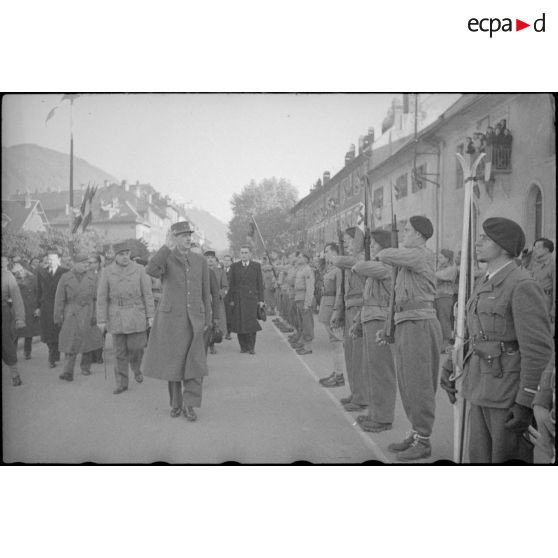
[(71, 247)]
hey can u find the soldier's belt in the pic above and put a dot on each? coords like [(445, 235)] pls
[(491, 353), (414, 306)]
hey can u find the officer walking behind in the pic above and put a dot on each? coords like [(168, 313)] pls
[(379, 368), (227, 262), (75, 314), (509, 335), (125, 308), (47, 281), (176, 348), (27, 283), (331, 301), (354, 285), (543, 270), (218, 301), (304, 295), (13, 316), (246, 294), (418, 335)]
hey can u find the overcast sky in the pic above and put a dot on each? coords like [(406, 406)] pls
[(201, 148)]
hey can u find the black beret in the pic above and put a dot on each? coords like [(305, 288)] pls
[(506, 233), (423, 225), (383, 238)]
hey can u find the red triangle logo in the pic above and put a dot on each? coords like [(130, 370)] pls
[(519, 25)]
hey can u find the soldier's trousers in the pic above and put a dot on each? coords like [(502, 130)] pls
[(53, 352), (9, 353), (336, 347), (27, 345), (417, 362), (70, 362), (380, 377), (292, 312), (304, 324), (353, 360), (129, 351), (187, 393), (444, 309), (490, 441)]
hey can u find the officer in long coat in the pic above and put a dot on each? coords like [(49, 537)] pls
[(176, 348), (218, 302), (47, 282), (75, 312), (510, 346), (125, 308), (246, 293), (27, 283), (227, 262)]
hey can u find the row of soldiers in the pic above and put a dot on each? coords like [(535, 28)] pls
[(509, 363)]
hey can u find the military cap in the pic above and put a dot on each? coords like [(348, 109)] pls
[(182, 227), (52, 250), (121, 247), (80, 257), (140, 261), (447, 253), (209, 253), (383, 238), (422, 225), (506, 233)]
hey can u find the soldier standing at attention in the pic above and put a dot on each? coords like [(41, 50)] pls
[(304, 295), (330, 302), (74, 312), (354, 285), (176, 348), (543, 269), (125, 308), (510, 346), (446, 275), (379, 368), (418, 335)]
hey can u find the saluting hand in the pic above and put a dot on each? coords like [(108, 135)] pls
[(37, 313), (149, 323), (20, 324)]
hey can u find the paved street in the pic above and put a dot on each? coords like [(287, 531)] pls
[(266, 408)]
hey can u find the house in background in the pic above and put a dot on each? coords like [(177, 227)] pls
[(23, 215)]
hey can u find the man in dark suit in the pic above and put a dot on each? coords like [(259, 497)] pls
[(227, 262), (246, 294)]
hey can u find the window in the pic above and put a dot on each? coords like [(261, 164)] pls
[(419, 179), (534, 214), (458, 169), (378, 198), (401, 186)]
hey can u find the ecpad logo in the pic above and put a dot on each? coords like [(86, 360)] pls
[(494, 24)]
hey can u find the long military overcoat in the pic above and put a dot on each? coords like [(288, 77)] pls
[(74, 307), (245, 291), (46, 291), (185, 296), (28, 290)]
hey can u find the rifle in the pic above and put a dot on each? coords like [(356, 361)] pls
[(389, 327), (264, 247), (341, 242), (366, 223)]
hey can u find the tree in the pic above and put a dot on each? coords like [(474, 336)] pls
[(269, 202)]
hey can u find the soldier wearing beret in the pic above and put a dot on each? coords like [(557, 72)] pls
[(418, 335), (354, 286), (303, 296), (379, 368), (75, 314), (125, 308), (510, 345), (176, 348)]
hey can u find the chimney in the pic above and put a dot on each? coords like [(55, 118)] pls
[(397, 116), (326, 177), (406, 103), (360, 144), (125, 186), (350, 155)]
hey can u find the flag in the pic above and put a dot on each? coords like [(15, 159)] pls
[(67, 97), (251, 230), (85, 214), (50, 115)]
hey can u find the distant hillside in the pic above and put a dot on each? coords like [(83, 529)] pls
[(38, 169), (215, 230)]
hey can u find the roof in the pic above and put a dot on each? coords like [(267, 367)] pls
[(18, 213)]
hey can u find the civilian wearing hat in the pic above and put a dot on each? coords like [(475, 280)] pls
[(508, 329), (246, 293), (27, 283), (125, 308), (379, 368), (418, 335), (75, 314), (446, 275), (353, 345), (303, 296), (222, 287), (176, 347), (47, 282)]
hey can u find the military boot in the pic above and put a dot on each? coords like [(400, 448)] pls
[(419, 449), (405, 444)]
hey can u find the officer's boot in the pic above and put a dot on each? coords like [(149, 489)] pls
[(420, 449), (16, 380), (405, 444)]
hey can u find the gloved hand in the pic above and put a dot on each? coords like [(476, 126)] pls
[(446, 384), (149, 323), (20, 324), (518, 418), (355, 331), (37, 313)]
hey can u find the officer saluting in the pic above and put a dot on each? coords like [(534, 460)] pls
[(510, 347)]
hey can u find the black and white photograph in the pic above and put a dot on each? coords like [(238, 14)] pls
[(278, 278)]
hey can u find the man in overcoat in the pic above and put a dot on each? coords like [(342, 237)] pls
[(218, 301), (246, 293), (27, 283), (176, 348), (227, 262), (125, 308), (47, 282), (75, 314), (510, 346)]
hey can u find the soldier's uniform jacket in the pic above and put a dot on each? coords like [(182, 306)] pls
[(544, 272), (74, 308), (331, 294), (354, 284), (510, 343), (377, 290), (446, 280), (304, 284), (125, 298), (11, 296), (28, 290), (415, 287)]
